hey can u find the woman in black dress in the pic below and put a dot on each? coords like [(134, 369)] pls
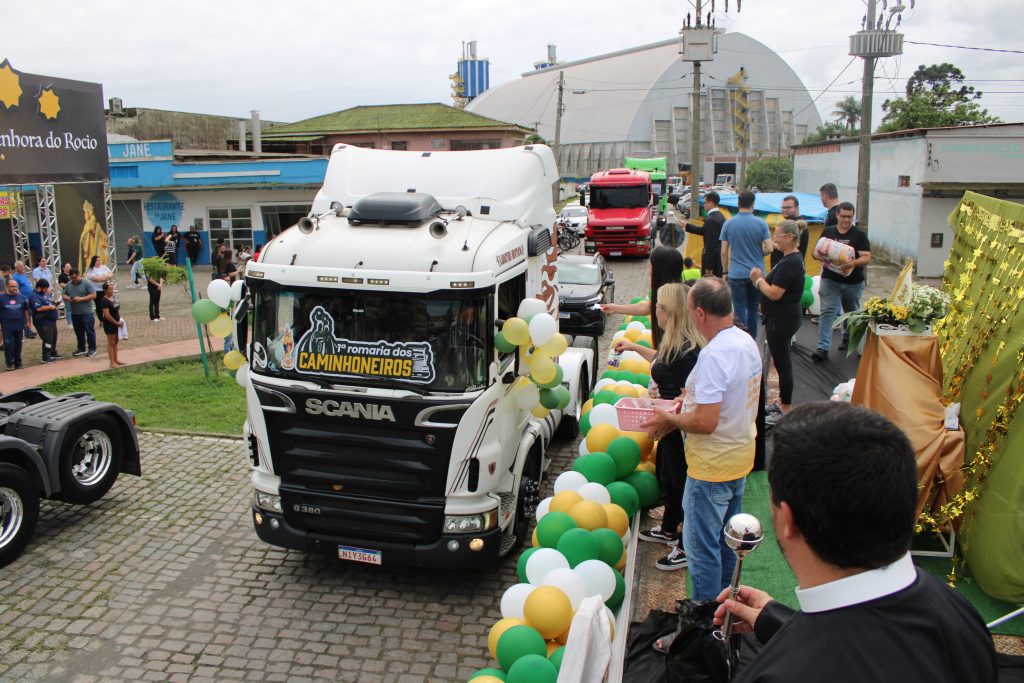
[(159, 241), (112, 323), (782, 288)]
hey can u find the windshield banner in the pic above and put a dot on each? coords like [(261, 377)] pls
[(319, 352)]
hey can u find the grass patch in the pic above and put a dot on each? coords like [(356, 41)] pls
[(171, 394)]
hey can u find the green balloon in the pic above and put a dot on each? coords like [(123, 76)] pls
[(549, 398), (497, 673), (616, 599), (636, 299), (518, 642), (606, 396), (532, 669), (627, 376), (578, 545), (585, 424), (555, 381), (644, 343), (626, 454), (642, 378), (503, 344), (205, 311), (521, 564), (596, 467), (623, 326), (646, 485), (563, 396), (556, 657), (551, 527), (609, 546), (808, 283), (614, 375), (807, 299), (625, 496)]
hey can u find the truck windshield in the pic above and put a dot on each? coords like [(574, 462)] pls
[(437, 342), (619, 197)]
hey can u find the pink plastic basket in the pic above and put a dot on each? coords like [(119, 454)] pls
[(634, 411)]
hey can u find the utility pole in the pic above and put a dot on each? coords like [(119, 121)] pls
[(695, 155), (558, 132), (873, 41)]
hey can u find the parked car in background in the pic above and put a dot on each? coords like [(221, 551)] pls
[(584, 283), (574, 216)]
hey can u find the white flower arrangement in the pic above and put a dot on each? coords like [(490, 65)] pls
[(927, 305)]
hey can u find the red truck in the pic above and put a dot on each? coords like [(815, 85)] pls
[(619, 213)]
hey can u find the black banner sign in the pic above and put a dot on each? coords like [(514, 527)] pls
[(51, 129)]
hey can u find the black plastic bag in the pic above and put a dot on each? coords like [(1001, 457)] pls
[(696, 655)]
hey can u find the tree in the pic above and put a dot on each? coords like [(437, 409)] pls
[(934, 100), (847, 112), (831, 129), (769, 174)]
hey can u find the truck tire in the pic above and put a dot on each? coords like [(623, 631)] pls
[(526, 508), (582, 342), (569, 427), (90, 460), (19, 511)]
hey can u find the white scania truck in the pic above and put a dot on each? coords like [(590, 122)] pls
[(382, 422)]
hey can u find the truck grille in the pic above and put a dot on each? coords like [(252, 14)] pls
[(617, 239)]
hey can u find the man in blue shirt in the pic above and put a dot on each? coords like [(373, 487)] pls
[(13, 321), (747, 238), (20, 275), (44, 315)]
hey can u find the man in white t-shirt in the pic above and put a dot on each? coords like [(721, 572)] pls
[(718, 413)]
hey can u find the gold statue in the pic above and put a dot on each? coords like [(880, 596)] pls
[(93, 241)]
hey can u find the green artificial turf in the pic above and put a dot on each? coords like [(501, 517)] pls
[(766, 568), (172, 394)]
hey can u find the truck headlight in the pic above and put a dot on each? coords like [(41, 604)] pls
[(468, 524), (267, 501)]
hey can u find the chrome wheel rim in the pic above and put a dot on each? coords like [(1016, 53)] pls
[(92, 457), (12, 513)]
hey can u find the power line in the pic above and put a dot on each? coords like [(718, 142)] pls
[(811, 103), (965, 47)]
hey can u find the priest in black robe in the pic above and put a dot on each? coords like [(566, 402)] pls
[(843, 500)]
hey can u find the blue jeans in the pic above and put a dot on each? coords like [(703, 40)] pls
[(745, 303), (85, 330), (706, 507), (12, 346), (831, 294)]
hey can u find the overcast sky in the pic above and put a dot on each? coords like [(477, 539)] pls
[(299, 58)]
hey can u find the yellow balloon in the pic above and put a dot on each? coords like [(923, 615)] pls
[(621, 564), (563, 502), (548, 610), (632, 335), (647, 337), (537, 542), (552, 645), (645, 467), (642, 439), (233, 359), (644, 393), (631, 365), (618, 520), (630, 390), (600, 436), (563, 638), (221, 326), (496, 632), (587, 407), (628, 319), (487, 679), (555, 346), (539, 411), (589, 515), (516, 330), (542, 368)]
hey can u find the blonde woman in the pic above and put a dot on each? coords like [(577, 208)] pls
[(671, 365)]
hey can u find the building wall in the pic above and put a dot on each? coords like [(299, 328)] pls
[(931, 259), (994, 154), (895, 220), (187, 130)]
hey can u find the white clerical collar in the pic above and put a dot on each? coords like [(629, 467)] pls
[(713, 210), (859, 588)]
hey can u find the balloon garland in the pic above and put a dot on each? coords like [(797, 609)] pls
[(214, 312), (582, 531), (533, 334)]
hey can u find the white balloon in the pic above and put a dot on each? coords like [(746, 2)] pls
[(543, 561), (602, 383), (219, 292), (604, 414), (636, 325), (815, 308), (611, 619), (542, 328), (527, 396), (624, 383), (236, 290), (632, 354), (598, 578), (543, 508), (569, 481), (583, 447), (570, 583), (514, 599), (594, 492), (242, 376), (531, 307), (618, 335)]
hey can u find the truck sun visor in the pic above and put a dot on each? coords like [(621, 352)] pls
[(394, 207)]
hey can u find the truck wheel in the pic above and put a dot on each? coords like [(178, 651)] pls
[(526, 508), (582, 342), (90, 460), (19, 511), (569, 427)]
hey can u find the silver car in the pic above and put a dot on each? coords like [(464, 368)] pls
[(575, 216)]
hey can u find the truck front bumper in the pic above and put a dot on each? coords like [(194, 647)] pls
[(447, 552)]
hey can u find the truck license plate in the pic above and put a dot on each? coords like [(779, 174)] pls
[(563, 315), (346, 552)]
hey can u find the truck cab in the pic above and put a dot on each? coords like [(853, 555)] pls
[(620, 209), (383, 425)]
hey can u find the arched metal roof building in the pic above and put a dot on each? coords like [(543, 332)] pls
[(636, 102)]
